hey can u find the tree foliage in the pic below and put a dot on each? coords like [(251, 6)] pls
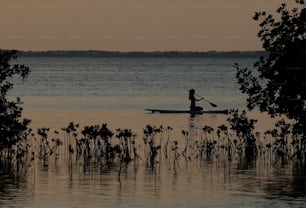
[(279, 84), (12, 127)]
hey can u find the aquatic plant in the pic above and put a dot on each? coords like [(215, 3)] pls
[(208, 144), (70, 131), (244, 130), (93, 146), (225, 141), (12, 127), (149, 138), (45, 148), (278, 86), (185, 134), (96, 143), (127, 145), (168, 129), (176, 156)]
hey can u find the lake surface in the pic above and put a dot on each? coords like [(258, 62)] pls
[(125, 83), (96, 90)]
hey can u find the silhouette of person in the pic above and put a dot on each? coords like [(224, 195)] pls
[(193, 100)]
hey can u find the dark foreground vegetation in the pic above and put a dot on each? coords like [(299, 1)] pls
[(98, 146), (277, 88)]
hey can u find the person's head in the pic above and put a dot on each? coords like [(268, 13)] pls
[(191, 92)]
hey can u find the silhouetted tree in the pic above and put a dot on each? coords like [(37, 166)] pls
[(279, 85), (12, 127)]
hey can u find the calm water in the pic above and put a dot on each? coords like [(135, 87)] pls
[(136, 83), (116, 90)]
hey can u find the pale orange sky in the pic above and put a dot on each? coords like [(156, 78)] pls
[(132, 25)]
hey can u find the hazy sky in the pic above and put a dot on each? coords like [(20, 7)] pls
[(131, 25)]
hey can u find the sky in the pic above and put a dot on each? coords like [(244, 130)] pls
[(132, 25)]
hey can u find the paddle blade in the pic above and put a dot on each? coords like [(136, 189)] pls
[(213, 105)]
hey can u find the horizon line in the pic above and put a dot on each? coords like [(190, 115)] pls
[(169, 54), (134, 51)]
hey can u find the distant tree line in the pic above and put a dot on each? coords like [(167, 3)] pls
[(165, 54)]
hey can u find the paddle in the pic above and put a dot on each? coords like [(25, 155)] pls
[(212, 104)]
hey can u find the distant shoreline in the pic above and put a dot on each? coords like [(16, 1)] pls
[(161, 54)]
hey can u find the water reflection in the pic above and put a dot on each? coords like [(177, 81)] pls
[(196, 184), (192, 124), (15, 185)]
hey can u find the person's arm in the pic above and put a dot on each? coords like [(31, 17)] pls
[(199, 99)]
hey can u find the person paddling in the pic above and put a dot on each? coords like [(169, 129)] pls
[(193, 100)]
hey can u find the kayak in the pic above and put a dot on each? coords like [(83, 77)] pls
[(188, 111)]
